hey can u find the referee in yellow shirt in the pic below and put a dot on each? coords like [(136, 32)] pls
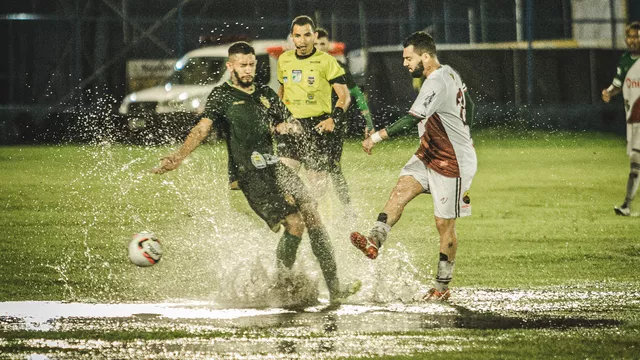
[(307, 77)]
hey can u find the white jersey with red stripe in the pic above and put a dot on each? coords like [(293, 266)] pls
[(445, 140), (631, 93)]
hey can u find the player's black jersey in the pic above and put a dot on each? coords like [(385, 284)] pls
[(246, 121)]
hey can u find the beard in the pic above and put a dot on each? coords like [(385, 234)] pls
[(417, 72), (244, 84)]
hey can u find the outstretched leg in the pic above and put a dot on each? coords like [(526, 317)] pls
[(406, 189)]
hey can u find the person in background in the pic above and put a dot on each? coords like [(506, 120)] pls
[(626, 82)]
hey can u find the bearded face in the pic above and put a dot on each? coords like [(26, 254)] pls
[(243, 81), (243, 69), (417, 71)]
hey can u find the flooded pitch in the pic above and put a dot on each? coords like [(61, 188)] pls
[(203, 330)]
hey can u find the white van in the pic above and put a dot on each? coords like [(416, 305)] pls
[(168, 111)]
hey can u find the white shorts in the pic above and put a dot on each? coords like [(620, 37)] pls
[(633, 137), (450, 195)]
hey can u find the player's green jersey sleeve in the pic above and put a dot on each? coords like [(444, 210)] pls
[(403, 125), (626, 61), (361, 101)]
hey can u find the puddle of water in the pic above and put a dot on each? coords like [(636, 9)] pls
[(332, 331)]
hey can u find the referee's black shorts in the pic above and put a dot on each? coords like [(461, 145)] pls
[(318, 152)]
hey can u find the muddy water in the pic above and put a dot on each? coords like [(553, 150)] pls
[(320, 331)]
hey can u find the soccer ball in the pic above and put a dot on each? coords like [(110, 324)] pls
[(145, 249)]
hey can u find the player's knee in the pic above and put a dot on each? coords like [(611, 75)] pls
[(310, 215), (294, 224), (635, 169), (445, 225)]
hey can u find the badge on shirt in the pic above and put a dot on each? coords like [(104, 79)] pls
[(296, 76), (429, 99), (311, 80), (285, 79), (265, 101)]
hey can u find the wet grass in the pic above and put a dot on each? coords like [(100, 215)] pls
[(437, 344), (542, 214), (542, 217)]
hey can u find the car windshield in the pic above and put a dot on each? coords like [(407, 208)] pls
[(198, 71)]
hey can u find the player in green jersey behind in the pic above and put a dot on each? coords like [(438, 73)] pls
[(627, 81), (249, 113)]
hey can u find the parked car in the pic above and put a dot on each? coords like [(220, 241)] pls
[(166, 113)]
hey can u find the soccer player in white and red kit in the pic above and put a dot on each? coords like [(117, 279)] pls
[(627, 81), (443, 165)]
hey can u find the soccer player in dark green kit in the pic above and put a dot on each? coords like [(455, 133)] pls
[(249, 113)]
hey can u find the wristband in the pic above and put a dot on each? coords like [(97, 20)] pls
[(375, 137), (337, 113)]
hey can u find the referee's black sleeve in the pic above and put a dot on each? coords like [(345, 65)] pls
[(338, 80)]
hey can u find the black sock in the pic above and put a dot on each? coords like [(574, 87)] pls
[(287, 249)]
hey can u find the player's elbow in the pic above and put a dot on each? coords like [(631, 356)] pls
[(201, 130)]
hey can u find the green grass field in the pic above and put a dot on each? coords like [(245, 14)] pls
[(542, 219)]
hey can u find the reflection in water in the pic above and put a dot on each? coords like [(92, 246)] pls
[(319, 331)]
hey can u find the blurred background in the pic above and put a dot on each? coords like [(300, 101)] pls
[(67, 65)]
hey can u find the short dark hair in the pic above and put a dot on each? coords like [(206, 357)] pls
[(302, 20), (422, 43), (241, 47), (634, 26), (322, 33)]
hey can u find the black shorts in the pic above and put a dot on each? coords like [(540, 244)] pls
[(317, 152), (273, 192)]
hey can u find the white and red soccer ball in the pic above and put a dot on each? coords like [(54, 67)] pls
[(145, 249)]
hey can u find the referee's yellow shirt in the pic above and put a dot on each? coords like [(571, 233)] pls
[(307, 82)]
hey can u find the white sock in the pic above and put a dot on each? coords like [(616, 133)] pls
[(444, 275), (379, 232), (632, 183)]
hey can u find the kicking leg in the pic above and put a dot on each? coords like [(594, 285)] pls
[(406, 189)]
